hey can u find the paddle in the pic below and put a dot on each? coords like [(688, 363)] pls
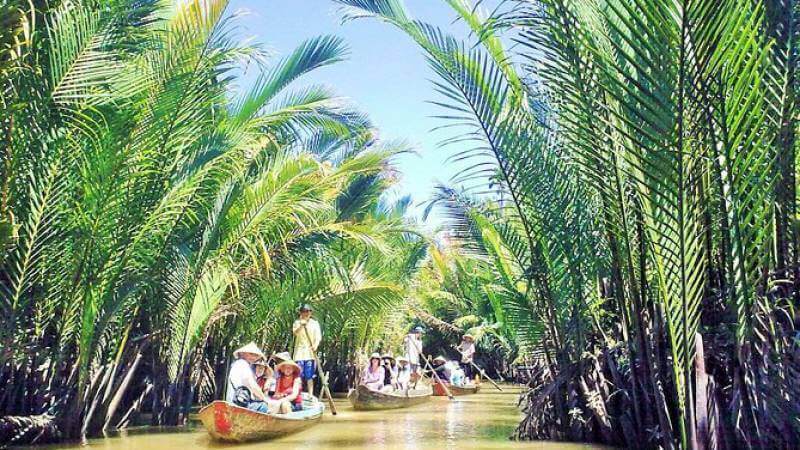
[(480, 370), (435, 375), (322, 376)]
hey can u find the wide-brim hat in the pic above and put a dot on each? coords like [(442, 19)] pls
[(288, 363), (418, 330), (387, 356), (375, 355), (267, 369), (282, 356), (251, 348), (440, 359), (469, 336), (305, 307), (402, 359)]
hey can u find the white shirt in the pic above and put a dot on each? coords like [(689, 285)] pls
[(467, 350), (302, 347), (413, 347), (241, 374)]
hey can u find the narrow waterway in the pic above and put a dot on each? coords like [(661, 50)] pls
[(482, 421)]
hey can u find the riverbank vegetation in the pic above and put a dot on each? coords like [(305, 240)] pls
[(640, 239), (155, 215)]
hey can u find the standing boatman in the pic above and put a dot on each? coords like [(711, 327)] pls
[(307, 336), (467, 350), (412, 344)]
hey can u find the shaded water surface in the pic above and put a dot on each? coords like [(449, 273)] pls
[(482, 421)]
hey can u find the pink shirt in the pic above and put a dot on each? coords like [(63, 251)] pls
[(373, 380)]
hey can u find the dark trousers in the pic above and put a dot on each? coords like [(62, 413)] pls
[(467, 368)]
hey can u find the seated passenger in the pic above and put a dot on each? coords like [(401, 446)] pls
[(288, 387), (441, 372), (374, 374), (403, 379), (456, 373), (390, 371), (264, 376), (243, 389)]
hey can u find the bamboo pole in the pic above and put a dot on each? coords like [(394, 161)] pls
[(480, 371), (322, 377), (435, 375)]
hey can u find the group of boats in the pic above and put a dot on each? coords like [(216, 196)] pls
[(228, 422)]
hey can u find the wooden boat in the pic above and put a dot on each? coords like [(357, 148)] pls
[(365, 399), (228, 422), (467, 389)]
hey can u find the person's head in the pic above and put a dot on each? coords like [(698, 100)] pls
[(418, 332), (262, 369), (250, 353), (439, 360), (402, 362), (374, 361), (305, 311), (288, 369), (388, 360), (468, 338), (281, 357)]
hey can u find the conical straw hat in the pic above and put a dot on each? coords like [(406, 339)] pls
[(249, 348)]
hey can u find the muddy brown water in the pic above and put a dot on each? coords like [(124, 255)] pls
[(481, 421)]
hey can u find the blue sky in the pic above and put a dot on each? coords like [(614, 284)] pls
[(386, 75)]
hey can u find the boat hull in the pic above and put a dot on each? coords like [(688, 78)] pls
[(364, 399), (230, 423), (456, 391)]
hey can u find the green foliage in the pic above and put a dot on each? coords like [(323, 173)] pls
[(641, 167), (152, 212)]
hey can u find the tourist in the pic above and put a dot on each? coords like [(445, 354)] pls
[(374, 375), (288, 387), (454, 373), (264, 376), (412, 345), (390, 370), (467, 350), (441, 372), (243, 389), (307, 336), (403, 378)]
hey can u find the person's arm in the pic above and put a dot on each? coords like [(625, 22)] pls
[(316, 335), (297, 326), (255, 390), (295, 390)]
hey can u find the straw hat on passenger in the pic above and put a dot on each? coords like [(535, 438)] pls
[(440, 359), (469, 337), (288, 363), (402, 359), (388, 356), (251, 348), (375, 355), (268, 372), (282, 356)]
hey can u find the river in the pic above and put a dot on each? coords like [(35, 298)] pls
[(482, 421)]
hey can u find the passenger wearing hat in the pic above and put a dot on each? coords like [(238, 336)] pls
[(374, 374), (412, 344), (467, 350), (390, 370), (307, 336), (288, 387), (264, 376), (403, 374), (441, 369), (243, 387)]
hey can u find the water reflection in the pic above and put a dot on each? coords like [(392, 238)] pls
[(482, 421)]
